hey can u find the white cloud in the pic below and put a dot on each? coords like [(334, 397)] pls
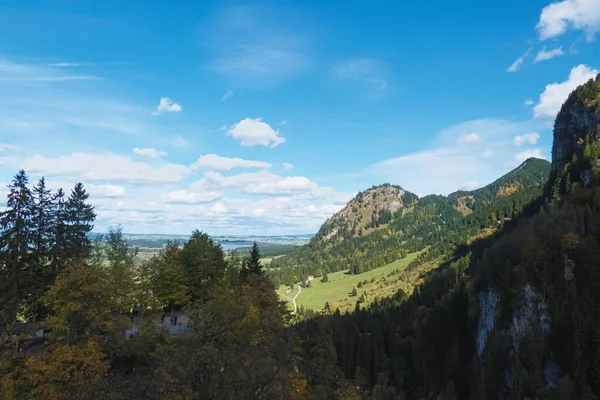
[(555, 94), (255, 132), (529, 102), (227, 95), (223, 128), (515, 66), (364, 70), (166, 104), (469, 138), (213, 162), (448, 164), (149, 152), (105, 190), (559, 17), (284, 122), (264, 183), (287, 165), (218, 208), (524, 155), (544, 54), (105, 167), (185, 196), (528, 138)]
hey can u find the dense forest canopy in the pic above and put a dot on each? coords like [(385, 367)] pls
[(510, 315)]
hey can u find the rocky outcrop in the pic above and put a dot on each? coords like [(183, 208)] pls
[(576, 146)]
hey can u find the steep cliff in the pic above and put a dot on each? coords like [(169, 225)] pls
[(576, 146)]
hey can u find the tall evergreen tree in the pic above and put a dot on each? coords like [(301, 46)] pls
[(252, 265), (15, 245), (42, 220), (42, 235), (59, 251), (80, 219)]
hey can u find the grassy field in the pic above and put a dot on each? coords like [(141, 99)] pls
[(337, 290), (267, 260)]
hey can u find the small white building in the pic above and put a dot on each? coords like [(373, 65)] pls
[(310, 278)]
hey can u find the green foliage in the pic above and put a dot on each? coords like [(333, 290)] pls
[(432, 221), (251, 265), (168, 280), (204, 264)]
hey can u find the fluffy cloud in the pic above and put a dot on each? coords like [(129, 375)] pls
[(287, 165), (524, 155), (267, 183), (529, 102), (469, 138), (529, 138), (167, 105), (557, 18), (149, 152), (105, 190), (255, 132), (185, 196), (544, 54), (555, 94), (213, 162), (449, 164), (105, 167)]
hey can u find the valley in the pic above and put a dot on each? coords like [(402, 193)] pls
[(337, 291)]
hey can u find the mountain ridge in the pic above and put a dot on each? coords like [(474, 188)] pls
[(385, 222)]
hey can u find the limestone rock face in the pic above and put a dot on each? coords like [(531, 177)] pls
[(576, 146)]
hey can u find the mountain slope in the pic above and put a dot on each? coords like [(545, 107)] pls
[(515, 318), (383, 223)]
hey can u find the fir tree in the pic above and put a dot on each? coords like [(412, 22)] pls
[(252, 265), (80, 219), (42, 234), (59, 250), (15, 245), (325, 278)]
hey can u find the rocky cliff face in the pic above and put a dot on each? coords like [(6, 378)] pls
[(576, 146), (367, 212)]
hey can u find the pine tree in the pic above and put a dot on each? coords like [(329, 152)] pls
[(59, 250), (252, 265), (42, 234), (325, 278), (42, 219), (80, 219), (15, 245), (354, 292)]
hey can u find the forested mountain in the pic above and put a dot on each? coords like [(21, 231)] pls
[(382, 224), (513, 315)]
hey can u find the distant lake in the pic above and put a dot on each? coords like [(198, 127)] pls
[(234, 245)]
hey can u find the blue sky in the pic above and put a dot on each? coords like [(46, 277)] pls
[(266, 118)]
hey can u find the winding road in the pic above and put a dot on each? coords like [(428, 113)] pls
[(293, 299)]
